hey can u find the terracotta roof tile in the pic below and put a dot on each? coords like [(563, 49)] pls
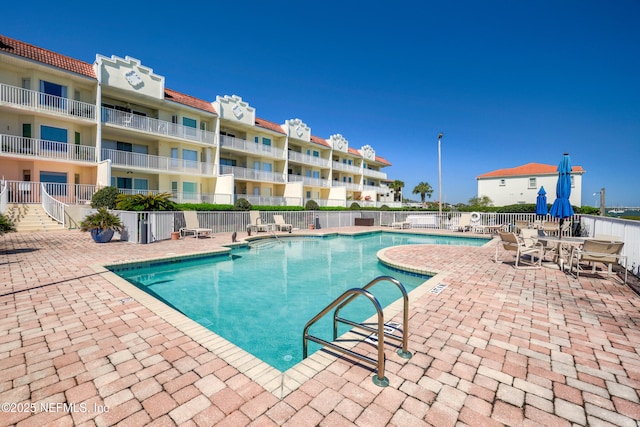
[(269, 125), (529, 169), (25, 50), (354, 152), (188, 100), (382, 160), (320, 141)]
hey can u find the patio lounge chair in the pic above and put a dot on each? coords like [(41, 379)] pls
[(521, 225), (257, 224), (192, 225), (521, 246), (603, 251), (464, 223), (281, 225)]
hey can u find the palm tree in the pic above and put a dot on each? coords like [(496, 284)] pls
[(423, 189), (396, 186)]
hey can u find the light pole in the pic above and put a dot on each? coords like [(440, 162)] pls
[(439, 183), (602, 205)]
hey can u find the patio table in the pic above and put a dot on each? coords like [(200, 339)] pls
[(560, 242)]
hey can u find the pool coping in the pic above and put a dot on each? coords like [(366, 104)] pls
[(280, 384)]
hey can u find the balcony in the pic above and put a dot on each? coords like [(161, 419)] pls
[(31, 100), (349, 185), (374, 174), (43, 149), (149, 162), (156, 127), (252, 174), (312, 182), (308, 160), (346, 168), (250, 147)]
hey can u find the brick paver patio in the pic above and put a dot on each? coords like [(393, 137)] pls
[(497, 346)]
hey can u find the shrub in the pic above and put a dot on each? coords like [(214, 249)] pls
[(105, 197), (148, 202), (101, 220), (6, 226), (354, 206), (242, 204), (384, 208), (311, 205)]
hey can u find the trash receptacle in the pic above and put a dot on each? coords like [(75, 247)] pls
[(144, 229)]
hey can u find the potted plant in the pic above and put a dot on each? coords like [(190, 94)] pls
[(102, 225)]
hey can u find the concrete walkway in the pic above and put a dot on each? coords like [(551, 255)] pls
[(497, 346)]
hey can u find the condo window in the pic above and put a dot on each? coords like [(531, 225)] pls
[(48, 134), (190, 155), (53, 94), (503, 182), (532, 183), (189, 190)]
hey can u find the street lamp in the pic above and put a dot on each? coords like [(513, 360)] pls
[(439, 183)]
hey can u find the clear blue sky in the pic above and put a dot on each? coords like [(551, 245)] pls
[(508, 82)]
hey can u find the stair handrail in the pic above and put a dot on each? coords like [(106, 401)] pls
[(378, 379), (4, 195), (404, 352), (53, 207)]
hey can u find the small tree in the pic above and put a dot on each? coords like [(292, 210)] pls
[(424, 189), (354, 206), (242, 204), (397, 186), (105, 197), (311, 205), (480, 202)]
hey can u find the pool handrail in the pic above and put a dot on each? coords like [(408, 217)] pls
[(404, 352)]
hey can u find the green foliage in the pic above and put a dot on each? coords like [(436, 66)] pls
[(384, 208), (589, 210), (6, 226), (105, 197), (203, 207), (396, 186), (242, 204), (481, 202), (145, 203), (103, 220), (311, 205), (277, 208), (354, 206)]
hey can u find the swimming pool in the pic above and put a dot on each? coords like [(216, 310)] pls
[(259, 297)]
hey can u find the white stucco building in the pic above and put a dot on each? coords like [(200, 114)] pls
[(520, 185)]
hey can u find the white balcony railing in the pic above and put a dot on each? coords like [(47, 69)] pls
[(346, 168), (349, 185), (251, 147), (156, 163), (43, 149), (307, 180), (43, 102), (155, 126), (251, 174), (308, 160), (374, 174)]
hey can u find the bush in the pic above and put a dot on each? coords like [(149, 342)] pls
[(311, 205), (145, 203), (6, 226), (354, 206), (101, 220), (105, 197), (242, 204), (384, 208)]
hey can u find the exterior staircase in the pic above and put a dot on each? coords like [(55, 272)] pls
[(31, 217)]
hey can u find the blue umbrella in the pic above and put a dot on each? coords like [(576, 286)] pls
[(561, 207), (541, 202)]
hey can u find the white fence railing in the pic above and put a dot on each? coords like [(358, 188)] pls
[(148, 161), (627, 230), (40, 101), (155, 126), (54, 208), (44, 149), (251, 147), (252, 174), (309, 160)]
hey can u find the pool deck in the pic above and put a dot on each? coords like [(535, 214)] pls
[(495, 346)]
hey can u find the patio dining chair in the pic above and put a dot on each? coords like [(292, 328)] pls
[(598, 251), (521, 246)]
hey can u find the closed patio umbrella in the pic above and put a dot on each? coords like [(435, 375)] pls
[(561, 207), (541, 202)]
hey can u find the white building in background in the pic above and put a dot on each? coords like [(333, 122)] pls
[(520, 185), (76, 126)]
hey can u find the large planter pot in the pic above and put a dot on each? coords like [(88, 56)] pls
[(101, 236)]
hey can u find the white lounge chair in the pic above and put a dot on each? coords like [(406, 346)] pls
[(192, 225), (603, 251), (257, 224), (463, 224), (281, 225)]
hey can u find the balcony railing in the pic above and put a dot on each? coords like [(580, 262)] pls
[(349, 185), (346, 168), (308, 160), (43, 149), (375, 174), (155, 126), (43, 102), (156, 163), (251, 147), (251, 174), (307, 180)]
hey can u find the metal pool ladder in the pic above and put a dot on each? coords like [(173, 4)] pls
[(378, 379)]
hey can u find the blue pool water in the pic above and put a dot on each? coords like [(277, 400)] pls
[(260, 297)]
